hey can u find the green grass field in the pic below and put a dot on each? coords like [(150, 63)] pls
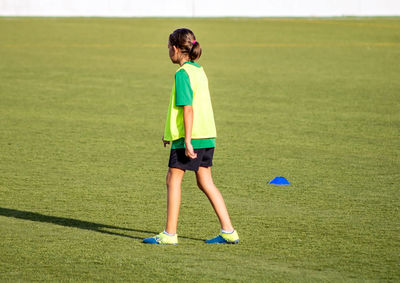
[(82, 166)]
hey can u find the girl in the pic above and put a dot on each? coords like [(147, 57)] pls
[(191, 129)]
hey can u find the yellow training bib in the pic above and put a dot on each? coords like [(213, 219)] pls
[(203, 115)]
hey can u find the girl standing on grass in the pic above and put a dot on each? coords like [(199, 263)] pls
[(191, 129)]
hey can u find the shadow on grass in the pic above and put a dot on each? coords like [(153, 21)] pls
[(69, 222)]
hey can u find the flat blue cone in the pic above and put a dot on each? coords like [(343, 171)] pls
[(279, 181)]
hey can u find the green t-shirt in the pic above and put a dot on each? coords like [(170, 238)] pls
[(184, 96), (196, 143)]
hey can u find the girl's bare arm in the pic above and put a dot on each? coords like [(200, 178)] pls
[(188, 121)]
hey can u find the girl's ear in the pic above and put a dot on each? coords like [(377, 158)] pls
[(175, 49)]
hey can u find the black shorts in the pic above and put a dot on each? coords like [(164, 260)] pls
[(178, 159)]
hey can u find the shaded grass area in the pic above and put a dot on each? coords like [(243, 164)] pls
[(83, 103)]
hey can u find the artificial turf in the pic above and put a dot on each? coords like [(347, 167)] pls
[(82, 167)]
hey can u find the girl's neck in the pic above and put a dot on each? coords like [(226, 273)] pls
[(183, 61)]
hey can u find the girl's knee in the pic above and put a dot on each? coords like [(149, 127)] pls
[(199, 185)]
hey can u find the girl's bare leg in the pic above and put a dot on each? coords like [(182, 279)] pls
[(174, 181), (206, 184)]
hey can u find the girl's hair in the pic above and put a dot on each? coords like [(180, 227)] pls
[(185, 40)]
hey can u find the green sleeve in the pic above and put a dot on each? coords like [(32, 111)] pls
[(184, 92)]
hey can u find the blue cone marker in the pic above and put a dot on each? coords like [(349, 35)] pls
[(279, 181)]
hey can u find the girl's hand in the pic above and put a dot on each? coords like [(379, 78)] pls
[(189, 151), (165, 142)]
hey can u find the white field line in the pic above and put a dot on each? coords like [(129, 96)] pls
[(343, 22)]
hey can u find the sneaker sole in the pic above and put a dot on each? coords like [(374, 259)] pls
[(226, 242)]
